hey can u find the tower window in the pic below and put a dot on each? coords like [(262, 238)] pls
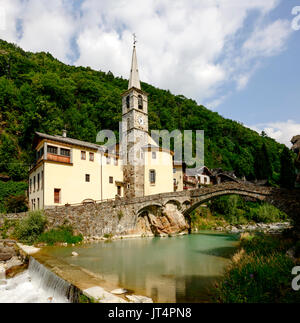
[(111, 180), (152, 176), (128, 102), (87, 177), (140, 102)]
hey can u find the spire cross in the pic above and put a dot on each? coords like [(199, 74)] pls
[(134, 39)]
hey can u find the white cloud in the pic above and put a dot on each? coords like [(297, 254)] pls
[(180, 42), (40, 25), (270, 40), (280, 131), (189, 47)]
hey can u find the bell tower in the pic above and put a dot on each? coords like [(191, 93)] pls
[(134, 132)]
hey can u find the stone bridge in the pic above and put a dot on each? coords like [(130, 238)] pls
[(163, 213)]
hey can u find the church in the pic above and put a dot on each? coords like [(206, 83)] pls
[(68, 171)]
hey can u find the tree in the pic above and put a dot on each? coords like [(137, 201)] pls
[(287, 169), (263, 166), (16, 204)]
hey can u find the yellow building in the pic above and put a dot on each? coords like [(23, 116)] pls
[(71, 171)]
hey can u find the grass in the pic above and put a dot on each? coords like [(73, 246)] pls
[(62, 234), (260, 272), (86, 300)]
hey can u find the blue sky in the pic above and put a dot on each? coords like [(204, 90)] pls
[(239, 58), (272, 96)]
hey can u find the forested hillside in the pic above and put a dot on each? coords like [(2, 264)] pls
[(39, 93)]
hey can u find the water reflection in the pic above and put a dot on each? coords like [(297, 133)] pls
[(178, 269)]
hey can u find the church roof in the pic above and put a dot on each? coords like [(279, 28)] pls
[(134, 80)]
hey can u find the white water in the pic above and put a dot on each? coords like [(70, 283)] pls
[(35, 285)]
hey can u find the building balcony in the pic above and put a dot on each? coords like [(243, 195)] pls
[(59, 158)]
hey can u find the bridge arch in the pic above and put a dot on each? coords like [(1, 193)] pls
[(207, 197), (174, 202), (149, 208)]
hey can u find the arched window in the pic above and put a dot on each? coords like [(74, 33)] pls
[(128, 102), (140, 102)]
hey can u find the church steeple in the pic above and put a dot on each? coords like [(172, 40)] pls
[(134, 80), (134, 132)]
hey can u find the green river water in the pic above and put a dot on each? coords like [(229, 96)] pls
[(176, 269)]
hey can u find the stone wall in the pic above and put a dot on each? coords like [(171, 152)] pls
[(157, 214)]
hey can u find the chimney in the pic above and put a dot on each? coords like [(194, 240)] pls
[(64, 133)]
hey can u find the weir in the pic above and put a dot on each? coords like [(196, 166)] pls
[(37, 284), (45, 279)]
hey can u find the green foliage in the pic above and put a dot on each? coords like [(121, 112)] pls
[(262, 245), (287, 169), (29, 228), (263, 164), (261, 275), (202, 219), (7, 227), (86, 300), (266, 213), (60, 234), (236, 210), (39, 93), (120, 215), (7, 191), (108, 236), (16, 204)]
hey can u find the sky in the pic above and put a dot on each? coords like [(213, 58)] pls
[(239, 58)]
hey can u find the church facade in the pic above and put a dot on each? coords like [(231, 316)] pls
[(71, 171)]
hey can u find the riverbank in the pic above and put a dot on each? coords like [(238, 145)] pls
[(267, 228), (260, 271)]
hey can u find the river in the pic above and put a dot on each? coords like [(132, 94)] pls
[(176, 269)]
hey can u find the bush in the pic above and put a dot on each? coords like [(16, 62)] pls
[(266, 213), (259, 279), (7, 228), (236, 210), (28, 229), (259, 273), (60, 234)]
